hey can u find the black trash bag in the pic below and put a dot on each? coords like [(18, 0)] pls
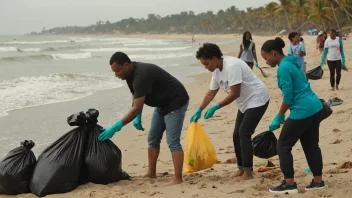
[(315, 74), (16, 169), (102, 162), (59, 166), (264, 145), (326, 111)]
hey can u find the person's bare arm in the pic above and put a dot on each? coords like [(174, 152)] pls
[(284, 107), (233, 95), (255, 53), (241, 50), (134, 111), (209, 96)]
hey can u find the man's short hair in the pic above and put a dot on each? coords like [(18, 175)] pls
[(119, 58), (208, 50)]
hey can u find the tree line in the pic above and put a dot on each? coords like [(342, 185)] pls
[(291, 15)]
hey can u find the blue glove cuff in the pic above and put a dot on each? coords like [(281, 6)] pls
[(199, 110), (216, 107), (118, 124), (280, 117), (139, 116)]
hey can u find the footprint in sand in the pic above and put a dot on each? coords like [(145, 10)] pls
[(272, 175), (335, 171), (337, 142), (193, 182), (336, 130), (231, 161), (346, 165), (201, 186)]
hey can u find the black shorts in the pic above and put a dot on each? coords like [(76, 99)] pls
[(250, 64)]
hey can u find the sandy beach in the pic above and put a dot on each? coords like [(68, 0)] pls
[(335, 141)]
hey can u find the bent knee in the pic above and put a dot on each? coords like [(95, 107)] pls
[(175, 146)]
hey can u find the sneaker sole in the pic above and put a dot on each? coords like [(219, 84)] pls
[(310, 189), (295, 191)]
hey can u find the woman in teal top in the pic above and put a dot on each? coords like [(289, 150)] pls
[(302, 123)]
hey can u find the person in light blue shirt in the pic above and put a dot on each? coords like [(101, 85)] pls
[(296, 48), (303, 122)]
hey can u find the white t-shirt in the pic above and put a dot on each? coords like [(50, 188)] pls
[(334, 49), (253, 94)]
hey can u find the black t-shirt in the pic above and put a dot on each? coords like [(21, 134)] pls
[(159, 88)]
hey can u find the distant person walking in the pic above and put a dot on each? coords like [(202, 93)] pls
[(296, 48), (247, 50), (333, 51), (320, 41)]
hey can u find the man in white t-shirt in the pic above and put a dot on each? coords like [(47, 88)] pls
[(246, 89)]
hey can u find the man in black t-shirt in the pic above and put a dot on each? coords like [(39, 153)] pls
[(153, 86)]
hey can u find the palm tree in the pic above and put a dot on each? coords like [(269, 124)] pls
[(285, 7), (333, 11), (270, 12), (343, 4), (320, 12), (301, 10)]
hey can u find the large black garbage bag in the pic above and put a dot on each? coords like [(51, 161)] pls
[(264, 145), (102, 162), (326, 111), (58, 167), (315, 74), (16, 169)]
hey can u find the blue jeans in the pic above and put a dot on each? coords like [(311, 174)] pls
[(172, 123)]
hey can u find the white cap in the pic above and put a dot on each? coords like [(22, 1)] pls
[(320, 33)]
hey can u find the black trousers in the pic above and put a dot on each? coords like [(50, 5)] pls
[(335, 66), (242, 137), (307, 131)]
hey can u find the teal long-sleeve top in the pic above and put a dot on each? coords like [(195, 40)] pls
[(296, 90)]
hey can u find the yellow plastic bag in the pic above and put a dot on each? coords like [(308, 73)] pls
[(199, 153)]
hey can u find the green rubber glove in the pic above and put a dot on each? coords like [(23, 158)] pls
[(343, 66), (210, 112), (256, 65), (196, 115), (108, 132), (275, 124), (137, 122)]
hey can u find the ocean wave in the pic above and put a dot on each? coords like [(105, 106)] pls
[(8, 49), (160, 56), (29, 50), (171, 65), (14, 49), (48, 57), (145, 44), (61, 48), (71, 56), (90, 39), (37, 42), (27, 92), (125, 49)]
